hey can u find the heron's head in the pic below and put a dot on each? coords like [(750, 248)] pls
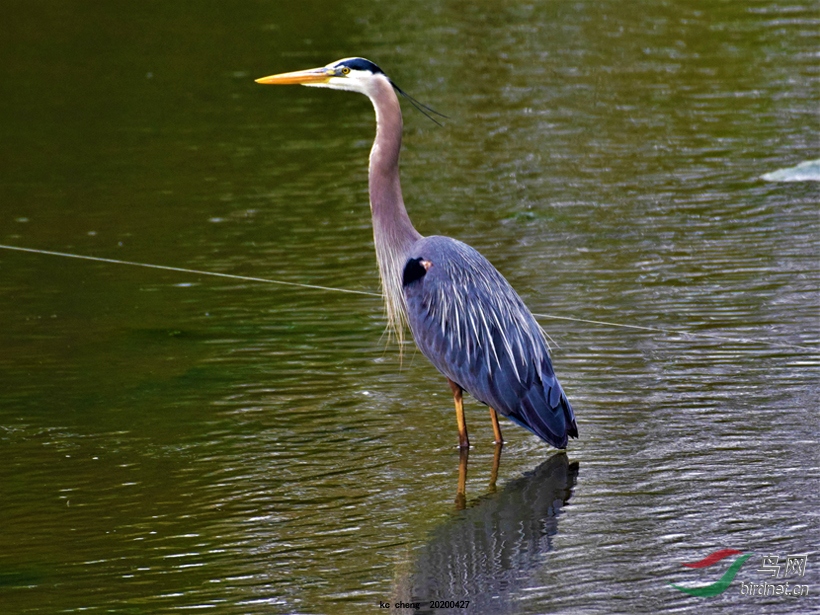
[(353, 74)]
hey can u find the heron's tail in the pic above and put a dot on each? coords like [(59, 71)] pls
[(547, 413)]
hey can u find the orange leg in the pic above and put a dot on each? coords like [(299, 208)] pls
[(496, 427), (463, 440)]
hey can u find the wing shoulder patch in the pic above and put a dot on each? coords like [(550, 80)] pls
[(414, 270)]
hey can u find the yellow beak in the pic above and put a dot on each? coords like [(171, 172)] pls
[(313, 75)]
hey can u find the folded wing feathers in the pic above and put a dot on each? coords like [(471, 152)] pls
[(486, 306)]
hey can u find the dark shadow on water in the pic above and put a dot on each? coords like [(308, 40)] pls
[(491, 549)]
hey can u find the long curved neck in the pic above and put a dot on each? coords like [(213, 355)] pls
[(393, 233), (390, 219)]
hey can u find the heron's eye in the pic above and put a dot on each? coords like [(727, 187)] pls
[(345, 70)]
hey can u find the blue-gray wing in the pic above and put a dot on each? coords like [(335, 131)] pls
[(475, 329)]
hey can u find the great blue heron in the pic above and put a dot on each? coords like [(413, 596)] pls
[(465, 317)]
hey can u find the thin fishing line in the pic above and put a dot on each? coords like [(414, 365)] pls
[(194, 271), (723, 338), (244, 278)]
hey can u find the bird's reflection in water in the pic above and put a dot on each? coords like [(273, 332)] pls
[(490, 549), (461, 490)]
